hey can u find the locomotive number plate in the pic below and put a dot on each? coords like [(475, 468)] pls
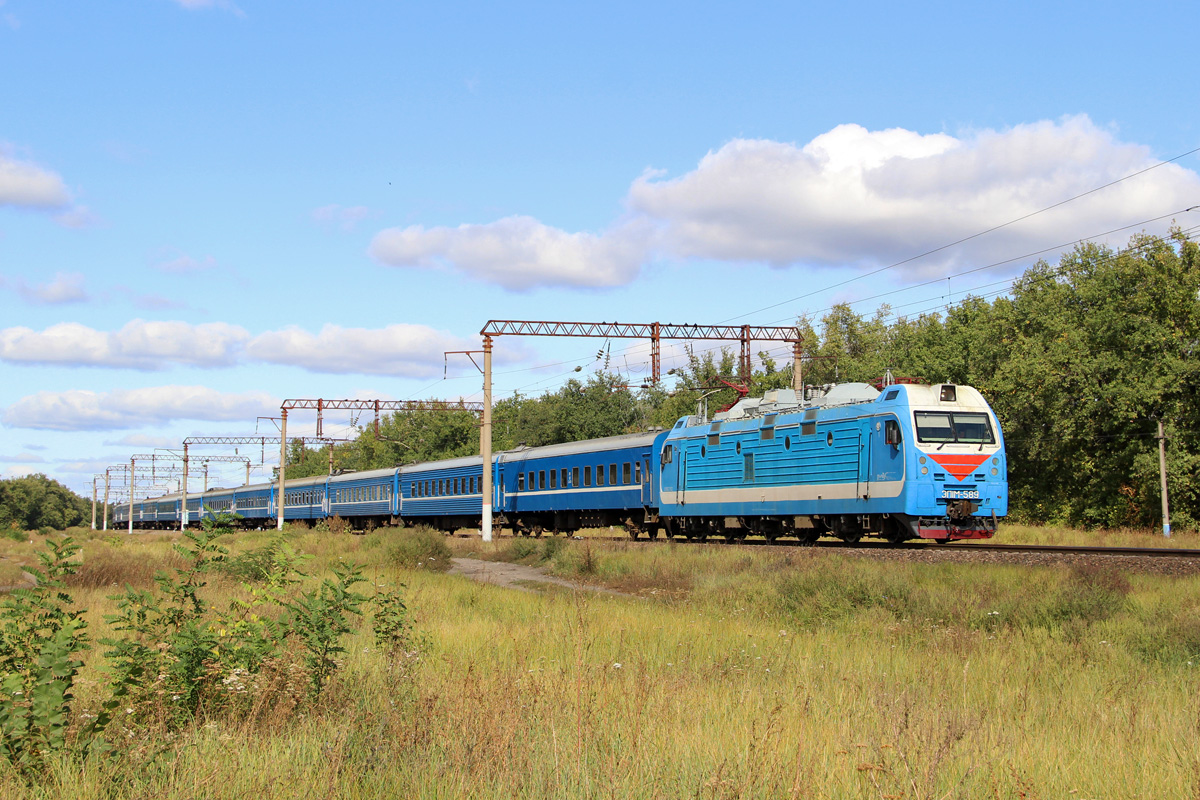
[(960, 494)]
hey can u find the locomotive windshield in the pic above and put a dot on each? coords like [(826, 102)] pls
[(956, 426)]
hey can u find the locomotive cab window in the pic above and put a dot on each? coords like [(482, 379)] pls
[(956, 426), (667, 455)]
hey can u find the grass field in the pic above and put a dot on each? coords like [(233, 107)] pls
[(724, 673)]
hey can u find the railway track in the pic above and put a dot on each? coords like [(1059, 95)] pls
[(917, 546)]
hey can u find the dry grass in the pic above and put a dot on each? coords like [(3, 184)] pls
[(1015, 533), (739, 674)]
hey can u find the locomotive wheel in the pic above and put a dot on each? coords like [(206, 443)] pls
[(894, 532)]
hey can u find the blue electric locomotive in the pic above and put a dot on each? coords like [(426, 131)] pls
[(909, 462)]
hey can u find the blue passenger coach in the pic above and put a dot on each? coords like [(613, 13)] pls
[(565, 487), (445, 494)]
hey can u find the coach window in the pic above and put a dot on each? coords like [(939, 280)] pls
[(565, 478), (612, 475), (553, 479), (625, 473), (542, 479), (575, 476), (520, 481), (599, 475), (587, 476), (531, 481), (637, 472)]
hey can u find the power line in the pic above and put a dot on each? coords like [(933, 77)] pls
[(972, 236)]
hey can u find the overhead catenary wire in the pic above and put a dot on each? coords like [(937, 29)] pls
[(964, 239)]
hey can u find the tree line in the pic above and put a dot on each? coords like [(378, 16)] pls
[(1079, 360), (34, 502)]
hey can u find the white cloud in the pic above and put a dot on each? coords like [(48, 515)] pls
[(183, 264), (78, 217), (397, 350), (22, 458), (849, 197), (519, 252), (78, 410), (143, 441), (401, 350), (25, 184), (138, 345), (91, 467), (853, 196), (194, 5), (67, 287), (344, 218)]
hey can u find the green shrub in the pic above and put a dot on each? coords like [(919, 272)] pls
[(40, 637), (1090, 594), (264, 564), (835, 589), (519, 549), (421, 547)]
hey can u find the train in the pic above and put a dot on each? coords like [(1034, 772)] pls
[(899, 462)]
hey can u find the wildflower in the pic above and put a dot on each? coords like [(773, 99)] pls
[(617, 666)]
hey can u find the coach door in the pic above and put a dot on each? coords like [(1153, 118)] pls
[(647, 484), (864, 463)]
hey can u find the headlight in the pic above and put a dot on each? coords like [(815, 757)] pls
[(924, 470)]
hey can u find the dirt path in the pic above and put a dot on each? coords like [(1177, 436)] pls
[(518, 576)]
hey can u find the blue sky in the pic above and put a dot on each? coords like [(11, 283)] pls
[(207, 207)]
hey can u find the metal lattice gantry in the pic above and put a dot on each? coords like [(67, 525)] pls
[(321, 405), (654, 331)]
